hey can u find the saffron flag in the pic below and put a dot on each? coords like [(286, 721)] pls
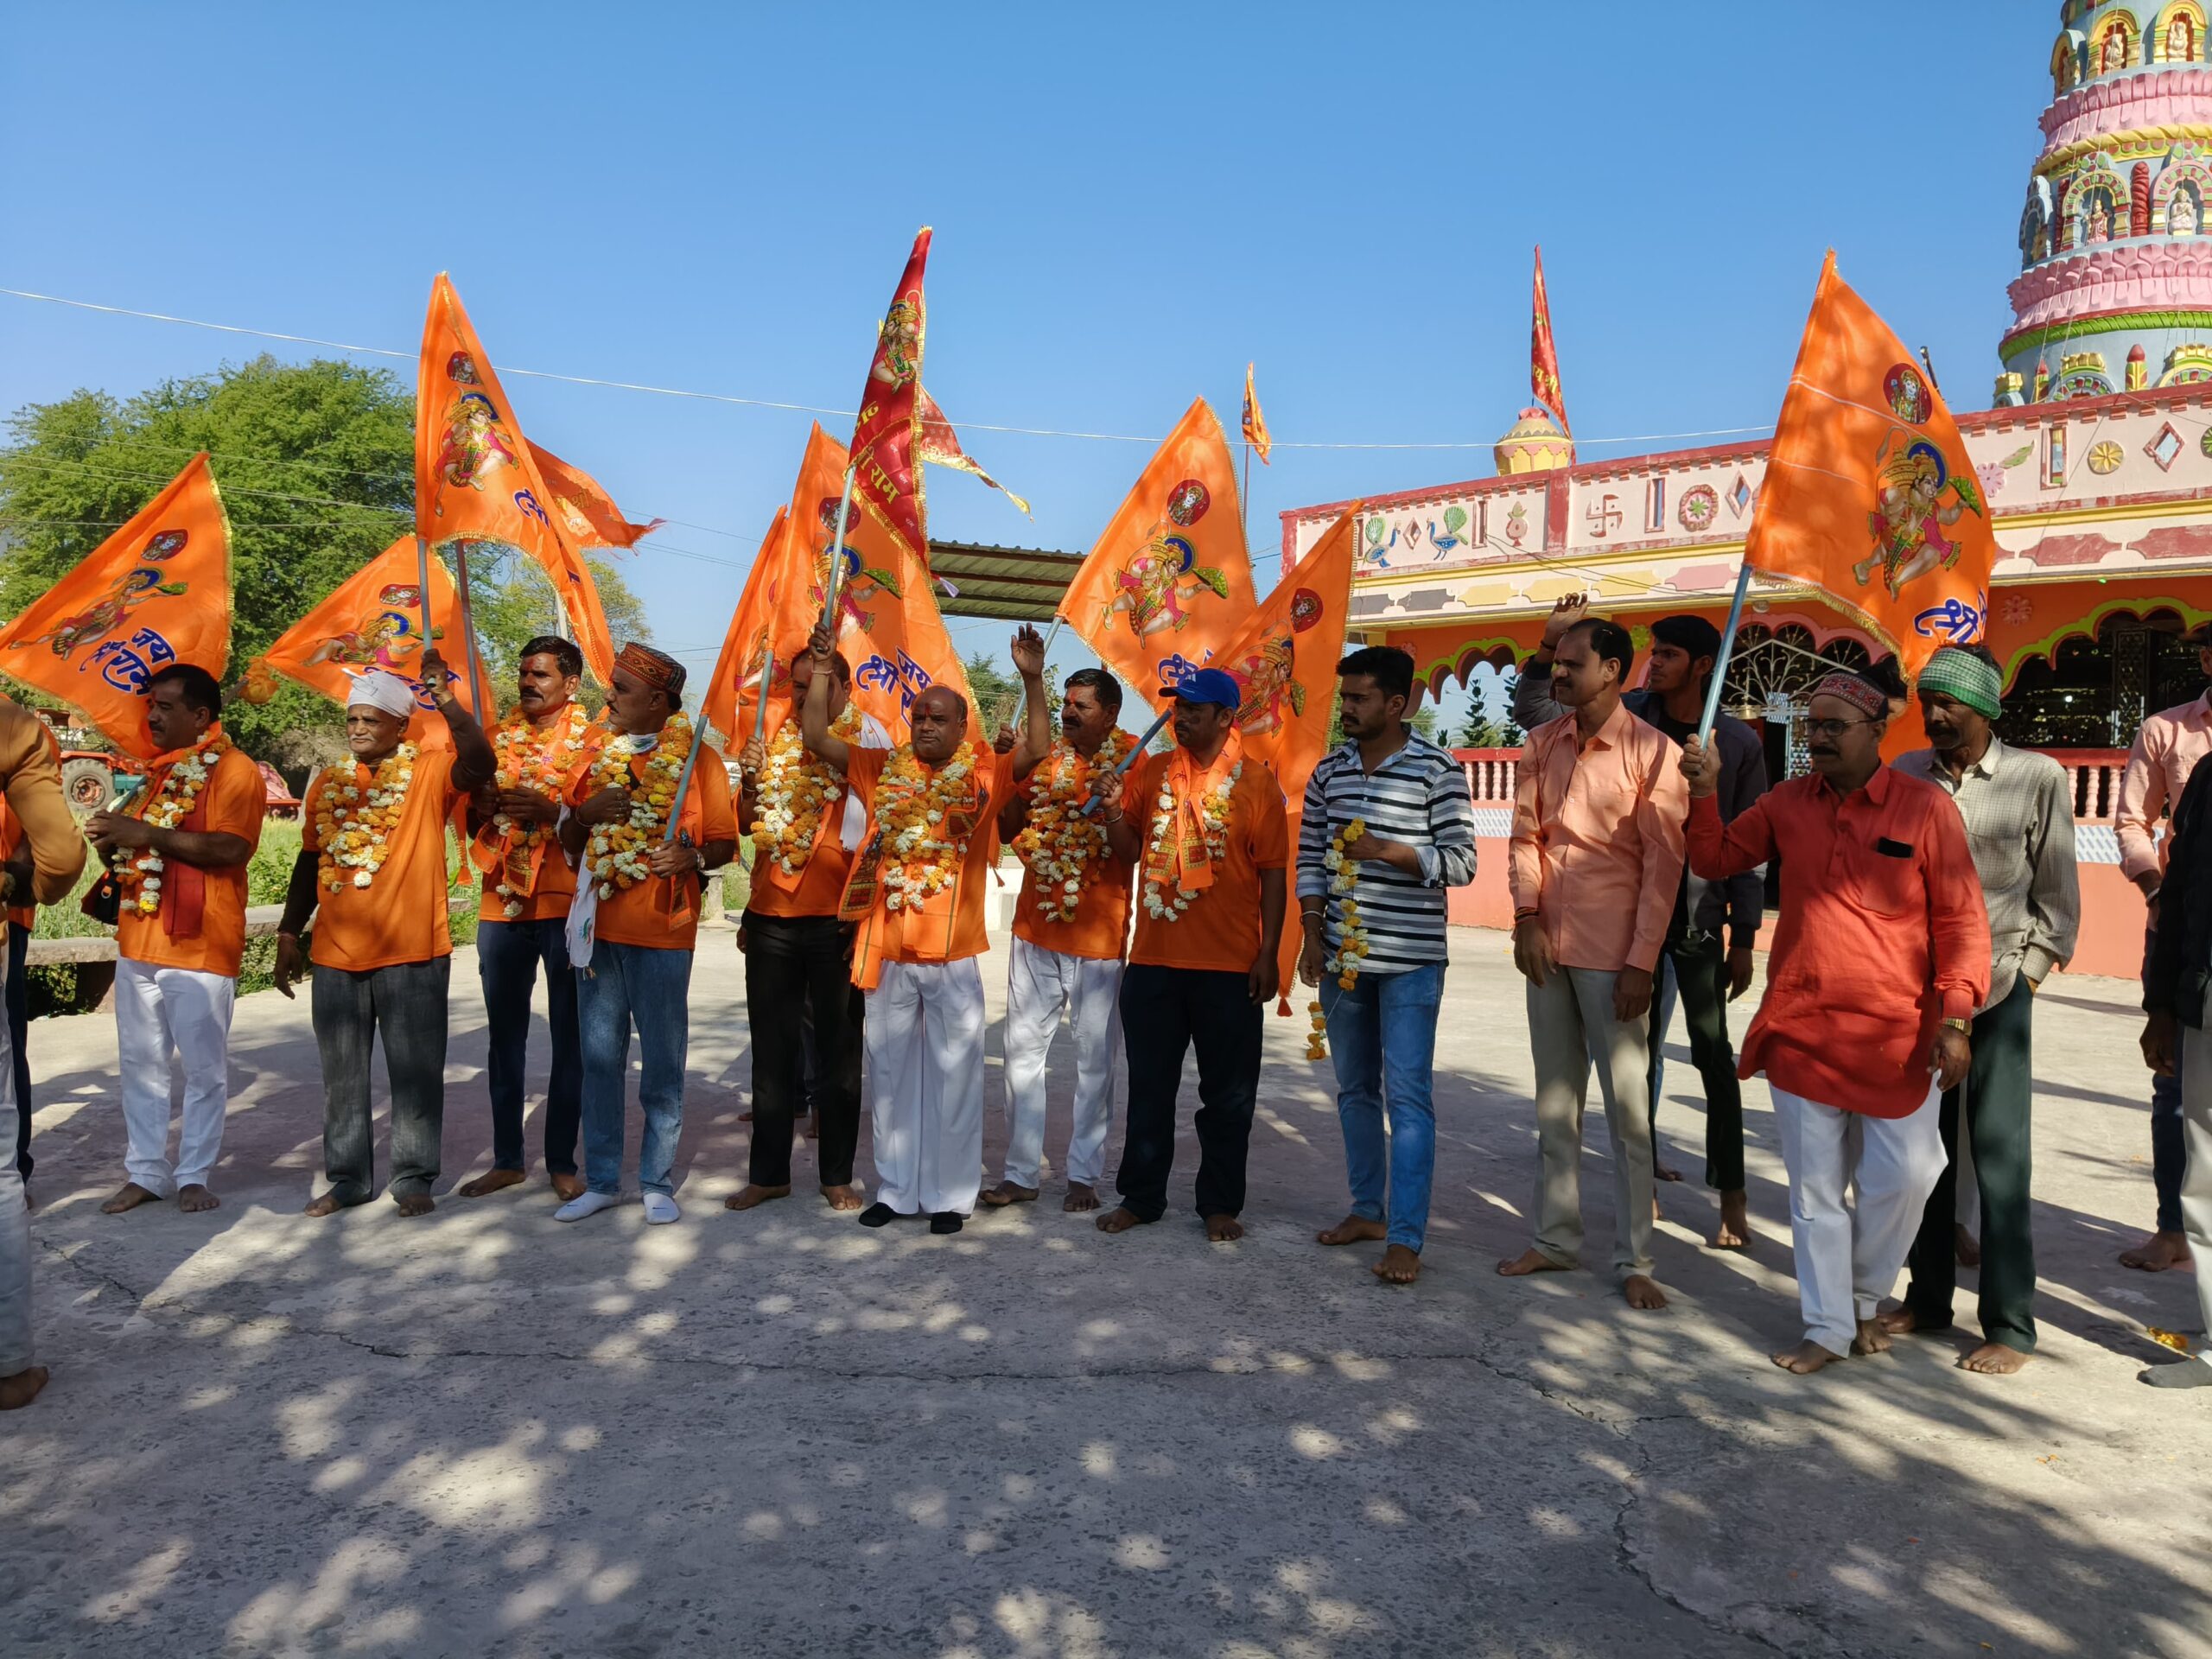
[(374, 619), (1543, 354), (1869, 496), (1284, 659), (1169, 579), (586, 514), (887, 624), (1255, 424), (939, 445), (887, 482), (733, 696), (476, 475), (156, 593)]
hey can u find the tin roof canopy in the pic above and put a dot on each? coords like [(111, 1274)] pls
[(1019, 584)]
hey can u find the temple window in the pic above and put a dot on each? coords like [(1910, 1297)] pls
[(2185, 212), (2116, 48), (1654, 505), (2178, 36)]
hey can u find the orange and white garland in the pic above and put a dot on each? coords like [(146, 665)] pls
[(170, 806), (924, 821), (1159, 844), (1061, 844), (615, 853), (1351, 931), (354, 825), (538, 761), (793, 791)]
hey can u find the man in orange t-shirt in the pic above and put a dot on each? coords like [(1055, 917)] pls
[(635, 924), (179, 857), (524, 918), (372, 858), (916, 892), (1205, 825), (1070, 930)]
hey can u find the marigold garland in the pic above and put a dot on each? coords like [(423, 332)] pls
[(793, 791), (166, 808), (616, 853), (1159, 844), (354, 824), (1062, 843), (1351, 931), (923, 819), (539, 761)]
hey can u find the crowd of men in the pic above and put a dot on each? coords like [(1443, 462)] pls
[(1922, 904)]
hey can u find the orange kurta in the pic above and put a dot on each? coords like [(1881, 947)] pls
[(231, 803), (401, 915), (950, 926), (1220, 932), (554, 888), (662, 913), (1100, 928)]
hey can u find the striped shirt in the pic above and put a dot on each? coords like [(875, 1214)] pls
[(1419, 797)]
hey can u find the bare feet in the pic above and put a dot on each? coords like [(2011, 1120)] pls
[(414, 1204), (1902, 1321), (2156, 1252), (194, 1198), (1080, 1197), (1660, 1171), (1399, 1265), (1353, 1229), (745, 1117), (1120, 1220), (567, 1186), (328, 1204), (843, 1198), (1965, 1246), (1643, 1292), (1224, 1229), (19, 1390), (1994, 1359), (1530, 1261), (748, 1195), (497, 1180), (1805, 1359), (1007, 1193), (128, 1195), (1734, 1232), (1870, 1339)]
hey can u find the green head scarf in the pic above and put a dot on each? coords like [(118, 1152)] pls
[(1964, 678)]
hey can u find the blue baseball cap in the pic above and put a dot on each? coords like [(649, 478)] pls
[(1208, 685)]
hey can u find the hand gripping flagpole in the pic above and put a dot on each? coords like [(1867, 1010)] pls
[(468, 635), (760, 704), (1727, 650), (1135, 753), (423, 587)]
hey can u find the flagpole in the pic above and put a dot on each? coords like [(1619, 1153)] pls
[(1245, 506), (422, 585), (468, 632), (1135, 753), (683, 783), (1727, 649), (838, 557), (761, 704)]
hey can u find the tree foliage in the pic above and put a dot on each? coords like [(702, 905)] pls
[(315, 463)]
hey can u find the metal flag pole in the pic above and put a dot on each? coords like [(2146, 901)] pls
[(683, 783), (1135, 753), (1727, 648), (423, 587), (760, 704), (468, 633), (838, 557)]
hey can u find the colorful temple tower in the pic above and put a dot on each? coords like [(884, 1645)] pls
[(2115, 286)]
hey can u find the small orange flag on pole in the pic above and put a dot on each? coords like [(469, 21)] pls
[(1255, 424), (585, 511), (156, 593), (751, 651), (1170, 578)]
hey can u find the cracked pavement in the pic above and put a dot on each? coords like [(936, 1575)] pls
[(485, 1432)]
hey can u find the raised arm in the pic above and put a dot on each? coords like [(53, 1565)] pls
[(1036, 714), (473, 763), (1718, 851), (814, 712), (1532, 687)]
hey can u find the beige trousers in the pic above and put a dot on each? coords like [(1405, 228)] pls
[(1571, 1026)]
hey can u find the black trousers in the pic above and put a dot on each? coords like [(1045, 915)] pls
[(1166, 1012), (798, 972), (406, 1005), (1701, 983), (19, 1025)]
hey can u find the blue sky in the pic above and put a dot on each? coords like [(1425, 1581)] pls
[(1130, 201)]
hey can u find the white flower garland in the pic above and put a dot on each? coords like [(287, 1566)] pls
[(1061, 844), (531, 769), (1160, 855), (170, 805), (355, 826)]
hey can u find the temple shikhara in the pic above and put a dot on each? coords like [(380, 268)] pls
[(2095, 461)]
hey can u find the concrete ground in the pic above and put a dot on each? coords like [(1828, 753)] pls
[(488, 1434)]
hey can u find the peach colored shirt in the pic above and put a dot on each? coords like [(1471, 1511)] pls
[(2167, 747), (1597, 847)]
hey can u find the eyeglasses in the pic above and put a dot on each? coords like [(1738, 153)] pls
[(1832, 729)]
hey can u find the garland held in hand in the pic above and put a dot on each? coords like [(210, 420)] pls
[(165, 808), (355, 824), (536, 760), (1351, 932), (793, 791), (615, 853), (1062, 843)]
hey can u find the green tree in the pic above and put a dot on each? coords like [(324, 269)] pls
[(316, 464)]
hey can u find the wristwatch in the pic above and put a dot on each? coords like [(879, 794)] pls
[(1964, 1027)]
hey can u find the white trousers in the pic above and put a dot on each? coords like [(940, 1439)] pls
[(1848, 1259), (162, 1012), (1039, 985), (2197, 1172), (924, 1031)]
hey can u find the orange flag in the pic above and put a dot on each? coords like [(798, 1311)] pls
[(889, 625), (1543, 351), (939, 445), (1255, 424), (1284, 659), (372, 619), (1169, 579), (476, 475), (888, 481), (733, 697), (156, 591), (586, 514), (1870, 497)]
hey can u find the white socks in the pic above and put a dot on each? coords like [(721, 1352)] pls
[(584, 1204), (660, 1209)]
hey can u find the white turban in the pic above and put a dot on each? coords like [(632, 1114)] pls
[(385, 692)]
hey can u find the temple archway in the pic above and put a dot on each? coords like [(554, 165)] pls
[(2178, 195), (2178, 36)]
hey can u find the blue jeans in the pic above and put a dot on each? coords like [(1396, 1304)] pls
[(1383, 1037), (507, 955), (629, 983)]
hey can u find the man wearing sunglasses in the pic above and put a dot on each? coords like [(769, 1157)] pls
[(1880, 960)]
